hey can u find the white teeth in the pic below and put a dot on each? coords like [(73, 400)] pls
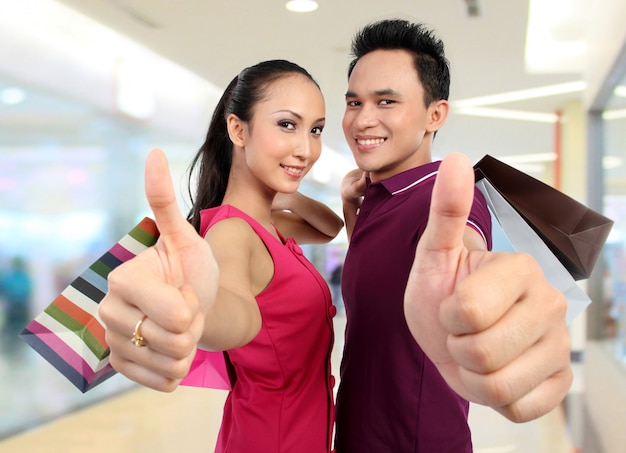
[(292, 169), (371, 141)]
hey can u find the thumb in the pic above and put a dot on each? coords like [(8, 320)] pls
[(438, 257), (450, 206), (161, 196)]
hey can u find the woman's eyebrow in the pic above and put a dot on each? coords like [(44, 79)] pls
[(297, 115)]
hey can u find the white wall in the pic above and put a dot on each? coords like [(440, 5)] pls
[(606, 396)]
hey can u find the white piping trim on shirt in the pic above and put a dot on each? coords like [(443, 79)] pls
[(414, 183), (476, 227), (424, 178)]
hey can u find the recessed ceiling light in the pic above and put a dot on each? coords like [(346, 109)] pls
[(620, 91), (555, 36), (489, 112), (301, 6), (614, 114), (12, 96), (522, 95), (611, 162), (529, 158)]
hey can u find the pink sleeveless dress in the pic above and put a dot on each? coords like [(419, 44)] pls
[(282, 393)]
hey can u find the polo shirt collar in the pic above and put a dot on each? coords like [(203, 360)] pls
[(409, 178)]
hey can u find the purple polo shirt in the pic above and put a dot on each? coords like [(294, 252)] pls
[(391, 397)]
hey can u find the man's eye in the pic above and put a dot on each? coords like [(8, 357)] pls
[(353, 103), (386, 102)]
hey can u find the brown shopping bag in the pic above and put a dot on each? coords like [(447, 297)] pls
[(571, 230), (513, 231)]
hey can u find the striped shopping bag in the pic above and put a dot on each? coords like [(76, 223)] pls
[(68, 333)]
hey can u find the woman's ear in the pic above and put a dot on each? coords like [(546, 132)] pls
[(236, 130), (438, 112)]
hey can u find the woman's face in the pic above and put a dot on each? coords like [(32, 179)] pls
[(283, 138)]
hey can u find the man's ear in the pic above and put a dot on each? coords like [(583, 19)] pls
[(438, 112), (236, 130)]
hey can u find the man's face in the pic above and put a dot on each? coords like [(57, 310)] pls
[(386, 124)]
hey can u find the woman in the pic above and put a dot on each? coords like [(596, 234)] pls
[(264, 302)]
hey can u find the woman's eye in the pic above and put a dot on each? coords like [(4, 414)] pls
[(317, 130), (287, 125)]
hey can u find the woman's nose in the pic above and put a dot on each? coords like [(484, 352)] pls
[(303, 149), (307, 147)]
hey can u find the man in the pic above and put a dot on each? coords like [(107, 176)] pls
[(436, 323)]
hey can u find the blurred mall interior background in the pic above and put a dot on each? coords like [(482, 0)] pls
[(88, 88)]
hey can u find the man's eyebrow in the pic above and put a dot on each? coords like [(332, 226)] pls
[(387, 92), (383, 92)]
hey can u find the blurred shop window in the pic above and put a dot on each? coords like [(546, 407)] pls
[(71, 177), (615, 208)]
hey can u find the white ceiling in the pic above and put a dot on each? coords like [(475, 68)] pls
[(217, 38)]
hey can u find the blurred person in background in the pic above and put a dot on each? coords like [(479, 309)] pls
[(334, 280), (16, 292)]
